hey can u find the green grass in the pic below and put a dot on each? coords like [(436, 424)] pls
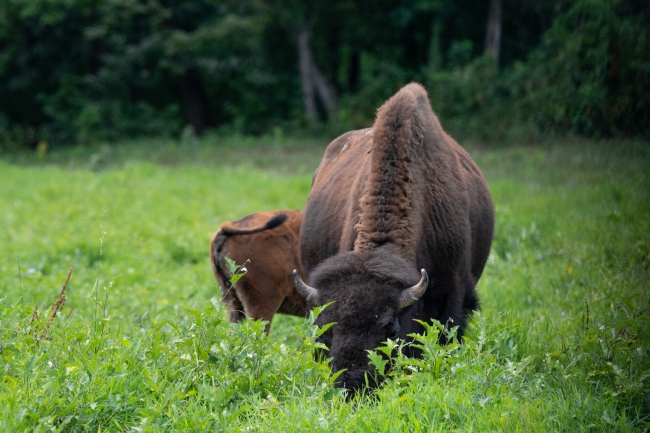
[(561, 344)]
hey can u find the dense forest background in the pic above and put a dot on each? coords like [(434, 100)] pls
[(82, 71)]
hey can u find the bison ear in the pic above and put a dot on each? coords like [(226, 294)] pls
[(412, 294), (309, 293)]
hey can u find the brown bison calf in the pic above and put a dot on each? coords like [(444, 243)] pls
[(268, 242)]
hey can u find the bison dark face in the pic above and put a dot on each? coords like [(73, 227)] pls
[(369, 291)]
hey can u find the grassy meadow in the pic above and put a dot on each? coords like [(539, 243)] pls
[(142, 343)]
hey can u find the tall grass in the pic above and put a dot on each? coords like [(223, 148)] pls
[(561, 344)]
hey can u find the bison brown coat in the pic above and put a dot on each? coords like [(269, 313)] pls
[(385, 203), (268, 242)]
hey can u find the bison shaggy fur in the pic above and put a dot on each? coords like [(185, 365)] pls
[(387, 202)]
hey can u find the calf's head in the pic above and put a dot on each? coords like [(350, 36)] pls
[(368, 292)]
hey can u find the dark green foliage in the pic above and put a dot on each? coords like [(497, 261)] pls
[(470, 96), (79, 71), (88, 71), (591, 73)]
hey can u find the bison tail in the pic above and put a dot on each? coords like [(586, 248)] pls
[(229, 228), (217, 243), (216, 246)]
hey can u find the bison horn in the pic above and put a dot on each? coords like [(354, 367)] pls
[(307, 292), (412, 294)]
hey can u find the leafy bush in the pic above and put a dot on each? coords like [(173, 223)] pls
[(591, 73), (470, 97), (607, 358), (79, 373), (11, 137), (379, 80)]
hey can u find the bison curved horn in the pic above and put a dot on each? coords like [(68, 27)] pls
[(307, 292), (412, 294)]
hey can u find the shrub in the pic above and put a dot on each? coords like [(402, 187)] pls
[(591, 73)]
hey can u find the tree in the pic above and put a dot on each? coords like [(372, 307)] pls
[(493, 32), (298, 19), (183, 44), (591, 72)]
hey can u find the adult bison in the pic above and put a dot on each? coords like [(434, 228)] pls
[(392, 208), (269, 241)]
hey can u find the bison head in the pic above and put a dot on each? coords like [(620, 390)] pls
[(369, 291)]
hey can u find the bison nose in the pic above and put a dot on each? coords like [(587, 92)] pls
[(355, 382), (351, 380)]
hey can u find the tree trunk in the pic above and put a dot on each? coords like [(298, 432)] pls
[(95, 54), (353, 71), (194, 101), (314, 83), (493, 34), (325, 90), (435, 52), (306, 74)]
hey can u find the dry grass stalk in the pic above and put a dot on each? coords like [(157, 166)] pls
[(35, 315), (56, 307)]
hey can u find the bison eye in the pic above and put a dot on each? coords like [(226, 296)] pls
[(392, 330)]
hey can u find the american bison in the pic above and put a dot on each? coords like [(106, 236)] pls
[(393, 209), (269, 241)]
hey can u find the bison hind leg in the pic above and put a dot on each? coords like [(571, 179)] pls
[(233, 305)]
